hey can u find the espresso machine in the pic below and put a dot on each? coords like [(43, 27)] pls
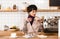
[(51, 25)]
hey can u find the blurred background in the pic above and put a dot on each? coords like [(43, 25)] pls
[(11, 18)]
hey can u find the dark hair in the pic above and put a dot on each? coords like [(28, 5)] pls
[(31, 7)]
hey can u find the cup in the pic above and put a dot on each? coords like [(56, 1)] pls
[(13, 35)]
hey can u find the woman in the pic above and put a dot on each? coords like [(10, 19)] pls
[(32, 23)]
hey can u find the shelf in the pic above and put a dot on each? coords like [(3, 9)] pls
[(26, 11), (46, 10), (8, 11)]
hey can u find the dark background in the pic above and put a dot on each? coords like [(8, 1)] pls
[(54, 3)]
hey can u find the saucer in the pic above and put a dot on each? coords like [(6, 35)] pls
[(41, 36)]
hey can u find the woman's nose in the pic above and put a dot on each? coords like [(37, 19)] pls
[(34, 13)]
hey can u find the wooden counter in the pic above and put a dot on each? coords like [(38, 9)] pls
[(8, 33), (3, 35), (19, 33), (50, 37)]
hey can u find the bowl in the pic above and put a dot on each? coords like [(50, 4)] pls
[(12, 30)]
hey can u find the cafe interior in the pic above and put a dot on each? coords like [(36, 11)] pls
[(13, 13)]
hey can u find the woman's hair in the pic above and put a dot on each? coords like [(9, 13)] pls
[(31, 7)]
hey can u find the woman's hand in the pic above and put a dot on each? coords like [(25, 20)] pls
[(29, 19)]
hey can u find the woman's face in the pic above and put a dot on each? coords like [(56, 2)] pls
[(33, 13)]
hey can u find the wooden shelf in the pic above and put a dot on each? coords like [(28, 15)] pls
[(46, 10), (8, 11), (26, 11)]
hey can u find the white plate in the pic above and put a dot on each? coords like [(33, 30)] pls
[(42, 36), (27, 36)]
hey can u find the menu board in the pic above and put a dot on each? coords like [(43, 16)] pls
[(54, 3)]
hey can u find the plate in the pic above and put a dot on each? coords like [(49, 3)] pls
[(41, 36)]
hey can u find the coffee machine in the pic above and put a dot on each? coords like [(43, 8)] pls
[(51, 25)]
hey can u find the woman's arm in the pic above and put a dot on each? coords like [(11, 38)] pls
[(24, 26)]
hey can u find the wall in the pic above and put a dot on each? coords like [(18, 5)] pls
[(41, 4), (16, 18)]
